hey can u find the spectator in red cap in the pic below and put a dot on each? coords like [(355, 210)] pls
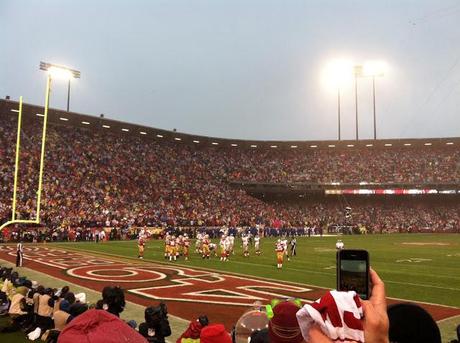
[(215, 333), (283, 326)]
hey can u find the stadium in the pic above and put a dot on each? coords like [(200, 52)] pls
[(121, 224)]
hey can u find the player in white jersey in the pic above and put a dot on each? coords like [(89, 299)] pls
[(245, 240), (284, 242), (222, 247), (227, 244), (186, 246), (339, 245), (141, 233), (224, 231), (231, 239), (179, 245), (213, 249), (257, 244), (198, 243)]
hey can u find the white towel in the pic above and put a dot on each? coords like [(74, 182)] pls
[(338, 314)]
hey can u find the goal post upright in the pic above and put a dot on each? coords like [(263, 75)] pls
[(53, 71), (42, 154), (42, 164), (16, 164)]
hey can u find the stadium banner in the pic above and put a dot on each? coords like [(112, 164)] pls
[(390, 191)]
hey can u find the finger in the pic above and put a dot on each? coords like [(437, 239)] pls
[(378, 298), (377, 284)]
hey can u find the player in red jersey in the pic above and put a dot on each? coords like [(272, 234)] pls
[(279, 249), (205, 247), (172, 248), (141, 246)]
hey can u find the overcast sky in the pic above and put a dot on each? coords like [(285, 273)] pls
[(240, 68)]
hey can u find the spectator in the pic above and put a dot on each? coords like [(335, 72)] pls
[(260, 336), (215, 333), (411, 323), (18, 310), (283, 326), (156, 326), (62, 316), (251, 321), (194, 329), (375, 323), (99, 326), (44, 315), (113, 300)]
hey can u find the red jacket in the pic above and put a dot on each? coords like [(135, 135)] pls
[(193, 331), (98, 326)]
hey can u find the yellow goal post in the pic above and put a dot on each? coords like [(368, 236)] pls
[(14, 220)]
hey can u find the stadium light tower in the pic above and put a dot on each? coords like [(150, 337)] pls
[(61, 72), (338, 74), (374, 69), (357, 72)]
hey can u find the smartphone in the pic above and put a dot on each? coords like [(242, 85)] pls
[(353, 272)]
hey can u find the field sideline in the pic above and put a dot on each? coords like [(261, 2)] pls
[(419, 267)]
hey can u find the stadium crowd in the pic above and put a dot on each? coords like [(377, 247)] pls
[(394, 165), (98, 179), (44, 312)]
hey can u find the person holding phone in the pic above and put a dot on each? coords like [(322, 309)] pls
[(375, 321)]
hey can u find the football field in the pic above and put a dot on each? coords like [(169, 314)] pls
[(423, 268), (418, 267)]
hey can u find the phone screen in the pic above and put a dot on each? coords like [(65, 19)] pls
[(353, 276)]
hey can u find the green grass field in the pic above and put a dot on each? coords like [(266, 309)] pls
[(428, 270), (423, 267)]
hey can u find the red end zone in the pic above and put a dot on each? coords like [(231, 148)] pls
[(188, 292)]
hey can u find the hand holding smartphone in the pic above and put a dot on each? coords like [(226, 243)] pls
[(353, 272)]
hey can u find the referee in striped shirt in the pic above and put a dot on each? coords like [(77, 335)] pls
[(19, 254)]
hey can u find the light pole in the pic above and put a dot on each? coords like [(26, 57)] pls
[(68, 96), (53, 71), (357, 71), (337, 75), (338, 111), (373, 97), (374, 69)]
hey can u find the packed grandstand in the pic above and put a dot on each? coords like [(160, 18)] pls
[(98, 175)]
